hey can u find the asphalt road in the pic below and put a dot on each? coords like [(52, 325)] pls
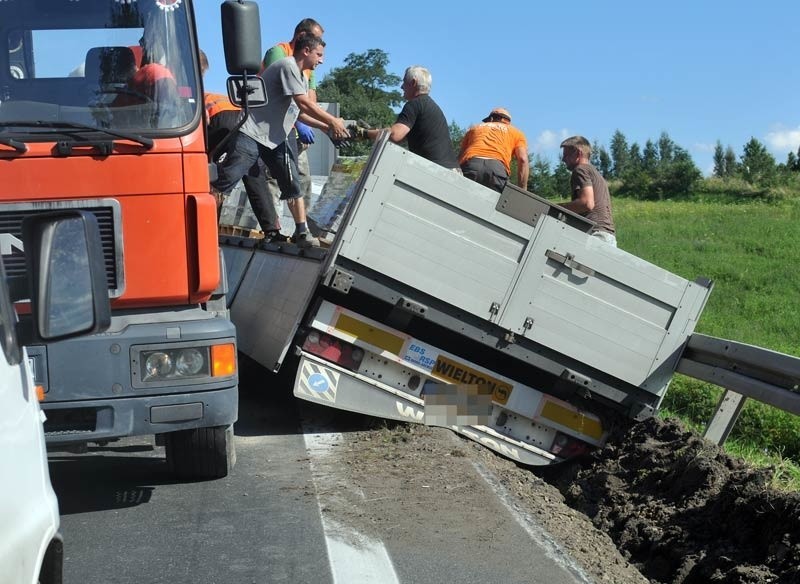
[(124, 519)]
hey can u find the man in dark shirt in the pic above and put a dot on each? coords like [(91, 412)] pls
[(421, 122), (590, 196)]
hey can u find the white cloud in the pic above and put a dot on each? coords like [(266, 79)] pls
[(701, 147), (549, 140), (783, 140)]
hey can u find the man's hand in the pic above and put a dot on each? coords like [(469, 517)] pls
[(306, 133), (358, 132), (338, 133), (358, 129)]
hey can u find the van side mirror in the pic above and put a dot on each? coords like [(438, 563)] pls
[(66, 274), (241, 36)]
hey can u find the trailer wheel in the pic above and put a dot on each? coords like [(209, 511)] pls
[(201, 453)]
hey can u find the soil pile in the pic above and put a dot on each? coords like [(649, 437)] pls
[(684, 512)]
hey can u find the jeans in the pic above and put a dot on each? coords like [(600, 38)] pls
[(243, 160)]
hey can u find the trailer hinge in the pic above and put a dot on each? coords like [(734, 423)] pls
[(341, 281), (510, 338)]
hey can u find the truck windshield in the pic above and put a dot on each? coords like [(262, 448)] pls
[(111, 64)]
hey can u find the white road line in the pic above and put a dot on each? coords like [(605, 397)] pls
[(543, 539), (354, 558)]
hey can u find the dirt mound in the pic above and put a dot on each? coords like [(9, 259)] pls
[(683, 511)]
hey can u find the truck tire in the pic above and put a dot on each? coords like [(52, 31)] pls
[(201, 453)]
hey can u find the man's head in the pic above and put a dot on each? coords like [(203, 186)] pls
[(498, 114), (307, 26), (203, 63), (416, 81), (576, 150), (309, 51)]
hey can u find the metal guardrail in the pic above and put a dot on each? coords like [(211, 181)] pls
[(744, 371)]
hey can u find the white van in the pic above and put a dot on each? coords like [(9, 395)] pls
[(65, 301)]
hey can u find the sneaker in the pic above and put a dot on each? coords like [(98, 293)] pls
[(304, 240), (275, 237)]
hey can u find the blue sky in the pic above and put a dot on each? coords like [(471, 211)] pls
[(700, 70)]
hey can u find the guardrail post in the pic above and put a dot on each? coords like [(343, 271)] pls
[(721, 424)]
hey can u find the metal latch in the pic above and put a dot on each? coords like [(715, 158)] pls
[(568, 260), (494, 310), (528, 324)]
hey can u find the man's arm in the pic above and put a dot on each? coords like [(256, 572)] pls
[(584, 201), (397, 132), (311, 112), (272, 55), (523, 166)]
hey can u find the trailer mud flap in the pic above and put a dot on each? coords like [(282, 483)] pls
[(322, 383)]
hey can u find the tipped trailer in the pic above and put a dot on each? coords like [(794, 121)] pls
[(441, 301)]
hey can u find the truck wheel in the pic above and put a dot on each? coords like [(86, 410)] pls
[(201, 453)]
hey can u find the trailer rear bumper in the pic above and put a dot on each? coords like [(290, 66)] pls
[(327, 384)]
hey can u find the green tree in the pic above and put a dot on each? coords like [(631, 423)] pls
[(793, 161), (635, 159), (650, 156), (605, 162), (540, 178), (678, 176), (758, 165), (619, 154), (719, 160), (666, 148), (561, 182), (731, 165), (456, 136), (594, 159), (365, 90)]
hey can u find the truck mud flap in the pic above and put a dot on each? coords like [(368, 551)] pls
[(237, 258), (331, 386), (269, 302)]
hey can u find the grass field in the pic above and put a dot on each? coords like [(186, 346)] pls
[(751, 251)]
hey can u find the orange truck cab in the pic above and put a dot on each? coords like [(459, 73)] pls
[(89, 123)]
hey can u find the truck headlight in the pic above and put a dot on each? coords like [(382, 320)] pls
[(181, 363), (190, 362), (170, 364), (157, 364)]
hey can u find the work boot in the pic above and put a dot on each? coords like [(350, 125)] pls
[(275, 237), (305, 240)]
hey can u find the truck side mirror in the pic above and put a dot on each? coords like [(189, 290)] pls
[(67, 276), (241, 36), (255, 91)]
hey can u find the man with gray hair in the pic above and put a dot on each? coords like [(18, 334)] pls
[(590, 196), (421, 122)]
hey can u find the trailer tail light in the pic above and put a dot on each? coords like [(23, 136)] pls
[(333, 349), (565, 446)]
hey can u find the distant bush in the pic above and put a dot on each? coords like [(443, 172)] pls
[(731, 189)]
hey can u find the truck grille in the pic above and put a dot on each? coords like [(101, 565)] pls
[(107, 213)]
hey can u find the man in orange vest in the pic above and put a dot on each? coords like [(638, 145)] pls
[(487, 150), (302, 136), (222, 116)]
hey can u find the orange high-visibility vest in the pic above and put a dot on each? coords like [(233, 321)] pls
[(216, 103)]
